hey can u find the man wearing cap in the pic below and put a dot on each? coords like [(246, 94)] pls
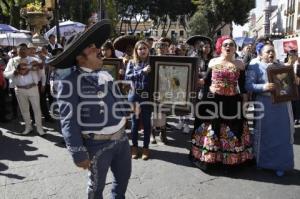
[(91, 115)]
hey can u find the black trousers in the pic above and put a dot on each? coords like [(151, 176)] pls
[(2, 104), (14, 102)]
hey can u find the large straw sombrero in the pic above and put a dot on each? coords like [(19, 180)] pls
[(122, 42), (96, 34)]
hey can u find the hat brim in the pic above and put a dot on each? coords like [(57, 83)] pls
[(193, 39), (122, 42), (96, 34)]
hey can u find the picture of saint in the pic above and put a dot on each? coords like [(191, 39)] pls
[(173, 84), (112, 70), (283, 82)]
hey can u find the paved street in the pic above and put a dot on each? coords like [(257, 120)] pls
[(32, 167)]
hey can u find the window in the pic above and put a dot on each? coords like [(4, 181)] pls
[(293, 3), (298, 24), (181, 33)]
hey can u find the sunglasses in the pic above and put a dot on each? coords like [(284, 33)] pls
[(231, 44)]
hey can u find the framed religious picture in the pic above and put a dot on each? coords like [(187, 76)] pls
[(113, 66), (173, 79), (284, 79)]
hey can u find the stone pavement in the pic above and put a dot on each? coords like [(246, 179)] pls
[(33, 167)]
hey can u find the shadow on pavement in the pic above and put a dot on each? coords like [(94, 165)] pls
[(14, 149), (3, 167), (171, 157), (251, 173), (56, 139)]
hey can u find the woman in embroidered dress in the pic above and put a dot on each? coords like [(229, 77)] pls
[(138, 72), (273, 145), (222, 137)]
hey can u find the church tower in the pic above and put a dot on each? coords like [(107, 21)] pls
[(267, 13)]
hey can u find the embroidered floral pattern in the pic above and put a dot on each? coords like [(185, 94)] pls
[(225, 148), (74, 149), (225, 80), (94, 166)]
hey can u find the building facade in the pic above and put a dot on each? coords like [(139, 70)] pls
[(278, 20)]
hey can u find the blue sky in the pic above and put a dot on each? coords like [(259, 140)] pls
[(237, 30)]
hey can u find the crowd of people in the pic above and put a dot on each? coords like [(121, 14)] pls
[(227, 78)]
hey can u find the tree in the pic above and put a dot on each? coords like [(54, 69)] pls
[(79, 10), (198, 25), (130, 11), (11, 9), (112, 14), (163, 12), (222, 12)]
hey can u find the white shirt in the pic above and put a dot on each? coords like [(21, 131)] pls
[(12, 65), (103, 77), (42, 73), (119, 54), (24, 80), (53, 46)]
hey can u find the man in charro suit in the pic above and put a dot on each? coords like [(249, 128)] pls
[(92, 114)]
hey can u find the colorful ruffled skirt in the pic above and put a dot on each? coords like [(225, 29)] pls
[(225, 147)]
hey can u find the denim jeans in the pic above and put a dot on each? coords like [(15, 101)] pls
[(145, 116), (104, 155)]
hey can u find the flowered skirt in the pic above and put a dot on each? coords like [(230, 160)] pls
[(220, 141)]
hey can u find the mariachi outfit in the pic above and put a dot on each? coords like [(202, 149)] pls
[(26, 90), (273, 145), (219, 139), (139, 93), (92, 130)]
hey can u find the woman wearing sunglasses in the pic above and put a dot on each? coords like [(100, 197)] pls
[(222, 136), (273, 144)]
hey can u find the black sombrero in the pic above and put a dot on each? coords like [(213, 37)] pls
[(122, 42), (193, 39), (96, 34)]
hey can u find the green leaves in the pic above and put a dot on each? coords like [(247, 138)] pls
[(199, 25), (220, 12)]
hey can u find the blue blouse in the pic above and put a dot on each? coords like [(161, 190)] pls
[(134, 73)]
